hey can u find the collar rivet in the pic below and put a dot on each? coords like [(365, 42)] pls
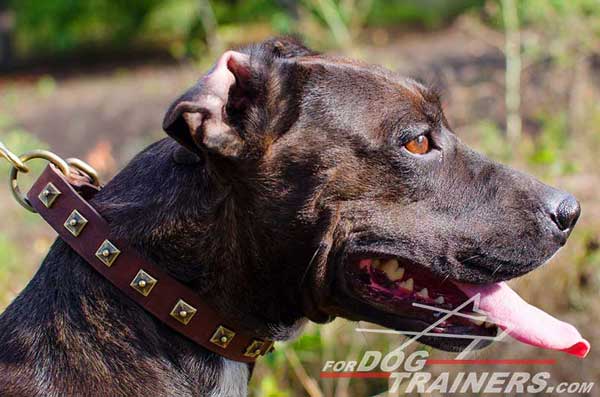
[(107, 253), (222, 337), (183, 312)]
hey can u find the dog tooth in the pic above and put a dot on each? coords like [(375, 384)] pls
[(398, 274), (439, 299), (408, 284), (424, 293), (488, 324), (389, 268)]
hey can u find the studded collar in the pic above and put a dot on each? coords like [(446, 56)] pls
[(167, 299)]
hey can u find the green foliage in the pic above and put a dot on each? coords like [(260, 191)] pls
[(551, 145), (492, 141), (14, 269), (561, 29), (228, 12), (428, 13), (56, 26), (9, 266), (62, 25), (46, 85), (269, 388), (586, 272), (282, 23), (7, 255), (309, 341), (171, 19), (18, 141)]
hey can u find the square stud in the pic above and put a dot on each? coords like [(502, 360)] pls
[(183, 312), (222, 337), (49, 195), (143, 283), (255, 348), (75, 223), (107, 253)]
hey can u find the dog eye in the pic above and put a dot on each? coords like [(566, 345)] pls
[(419, 145)]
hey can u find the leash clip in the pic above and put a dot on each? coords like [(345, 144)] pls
[(13, 159)]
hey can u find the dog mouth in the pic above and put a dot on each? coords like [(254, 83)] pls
[(405, 283), (419, 301), (450, 315)]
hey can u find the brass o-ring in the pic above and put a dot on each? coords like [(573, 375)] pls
[(34, 154)]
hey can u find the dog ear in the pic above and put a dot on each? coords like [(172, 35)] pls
[(198, 119)]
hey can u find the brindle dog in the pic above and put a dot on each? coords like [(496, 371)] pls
[(290, 179)]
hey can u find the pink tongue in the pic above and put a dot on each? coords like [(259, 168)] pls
[(525, 322)]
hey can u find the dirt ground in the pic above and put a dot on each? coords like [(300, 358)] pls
[(107, 116)]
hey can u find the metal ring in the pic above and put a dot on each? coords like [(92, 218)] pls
[(85, 168), (34, 154), (13, 159)]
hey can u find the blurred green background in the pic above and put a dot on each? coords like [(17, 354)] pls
[(520, 81)]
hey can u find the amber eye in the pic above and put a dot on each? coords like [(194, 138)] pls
[(419, 145)]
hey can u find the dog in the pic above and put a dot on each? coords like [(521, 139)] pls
[(293, 186)]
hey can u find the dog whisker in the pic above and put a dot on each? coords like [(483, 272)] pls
[(471, 258), (310, 263)]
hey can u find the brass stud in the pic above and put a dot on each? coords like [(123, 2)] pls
[(183, 312), (222, 337), (107, 253), (143, 282), (75, 223), (49, 195), (254, 349)]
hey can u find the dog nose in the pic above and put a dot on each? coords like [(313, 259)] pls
[(566, 213)]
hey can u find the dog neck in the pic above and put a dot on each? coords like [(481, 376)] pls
[(185, 219), (88, 333), (85, 335)]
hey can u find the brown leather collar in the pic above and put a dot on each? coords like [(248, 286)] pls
[(173, 303)]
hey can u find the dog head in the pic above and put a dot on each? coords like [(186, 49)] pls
[(351, 196)]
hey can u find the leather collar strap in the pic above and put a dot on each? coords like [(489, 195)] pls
[(173, 303)]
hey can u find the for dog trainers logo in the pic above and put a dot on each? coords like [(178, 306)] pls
[(408, 372)]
